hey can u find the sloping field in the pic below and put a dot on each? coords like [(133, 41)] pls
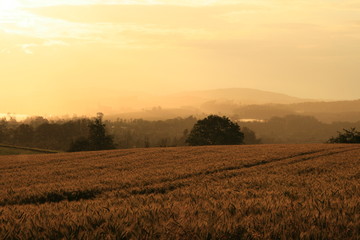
[(16, 150), (222, 192)]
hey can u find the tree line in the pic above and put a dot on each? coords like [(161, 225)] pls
[(297, 129), (62, 134), (75, 133)]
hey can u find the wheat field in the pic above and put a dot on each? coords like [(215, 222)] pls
[(220, 192)]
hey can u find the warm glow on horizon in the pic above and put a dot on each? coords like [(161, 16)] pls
[(82, 56)]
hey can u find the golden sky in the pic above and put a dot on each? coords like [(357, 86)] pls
[(81, 56)]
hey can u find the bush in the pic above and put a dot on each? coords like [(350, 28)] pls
[(348, 136)]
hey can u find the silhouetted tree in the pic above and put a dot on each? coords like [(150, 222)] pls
[(146, 142), (80, 144), (348, 136), (36, 121), (250, 136), (144, 133), (97, 139), (293, 129), (215, 130), (4, 131), (23, 135), (164, 142)]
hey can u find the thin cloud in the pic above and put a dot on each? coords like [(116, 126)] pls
[(198, 3), (5, 51), (27, 48), (51, 42)]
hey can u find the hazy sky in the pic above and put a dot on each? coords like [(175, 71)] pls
[(66, 56)]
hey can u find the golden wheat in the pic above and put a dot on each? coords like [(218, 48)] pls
[(220, 192)]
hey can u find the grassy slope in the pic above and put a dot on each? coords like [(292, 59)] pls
[(17, 150), (12, 151), (255, 192)]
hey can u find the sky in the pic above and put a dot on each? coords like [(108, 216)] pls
[(83, 56)]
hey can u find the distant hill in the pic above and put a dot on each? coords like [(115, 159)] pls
[(244, 96), (328, 107), (200, 103), (334, 111), (330, 111), (159, 113), (241, 103)]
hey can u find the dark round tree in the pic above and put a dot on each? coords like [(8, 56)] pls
[(215, 130)]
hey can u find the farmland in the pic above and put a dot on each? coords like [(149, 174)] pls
[(16, 150), (221, 192)]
